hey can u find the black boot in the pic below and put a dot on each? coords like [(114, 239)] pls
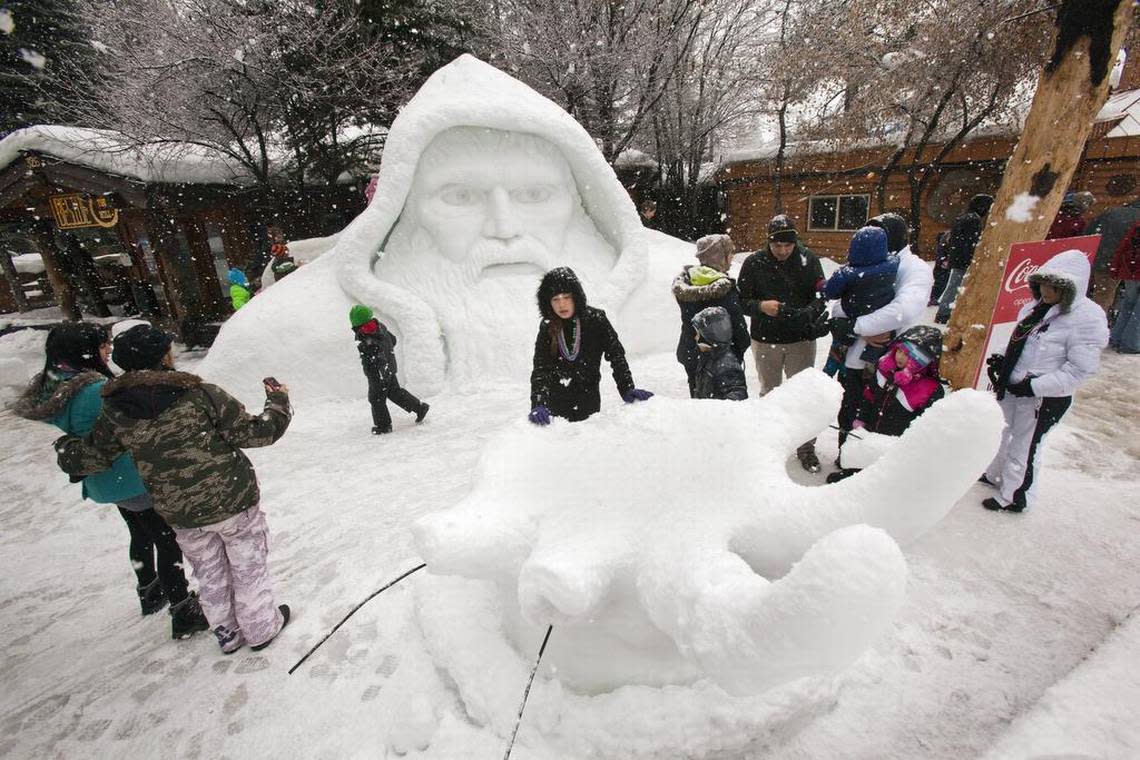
[(422, 412), (284, 614), (151, 597), (994, 505), (187, 618), (381, 430)]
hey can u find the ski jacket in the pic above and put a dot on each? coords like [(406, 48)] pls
[(568, 387), (795, 283), (73, 406), (863, 289), (912, 292), (691, 299), (1066, 224), (1126, 263), (239, 296), (186, 436), (1112, 226), (896, 398), (1063, 349), (719, 373), (965, 232), (377, 354)]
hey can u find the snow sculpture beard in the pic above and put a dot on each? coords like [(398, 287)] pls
[(488, 213)]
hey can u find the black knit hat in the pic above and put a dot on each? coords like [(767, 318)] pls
[(898, 231), (141, 347), (75, 346), (781, 230)]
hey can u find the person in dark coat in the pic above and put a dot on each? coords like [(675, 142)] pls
[(780, 293), (1112, 226), (904, 386), (719, 372), (377, 347), (697, 288), (965, 233), (572, 339), (1070, 220), (863, 285)]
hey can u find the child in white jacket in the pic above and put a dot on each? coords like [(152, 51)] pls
[(1054, 348)]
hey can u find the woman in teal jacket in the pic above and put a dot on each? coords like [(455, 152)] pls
[(68, 395)]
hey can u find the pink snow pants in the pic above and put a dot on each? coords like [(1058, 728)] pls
[(229, 559)]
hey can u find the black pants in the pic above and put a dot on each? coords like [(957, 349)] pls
[(379, 395), (150, 535), (852, 380)]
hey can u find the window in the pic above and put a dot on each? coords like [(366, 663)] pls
[(838, 212)]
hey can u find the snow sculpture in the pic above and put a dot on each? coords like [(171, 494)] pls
[(484, 185), (662, 558)]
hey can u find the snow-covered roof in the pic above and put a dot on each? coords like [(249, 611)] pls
[(111, 152), (1126, 107)]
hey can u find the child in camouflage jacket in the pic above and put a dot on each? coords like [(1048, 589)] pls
[(186, 437)]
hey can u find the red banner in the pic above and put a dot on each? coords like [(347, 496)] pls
[(1024, 259)]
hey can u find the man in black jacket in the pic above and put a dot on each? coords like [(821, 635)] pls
[(780, 292), (965, 233)]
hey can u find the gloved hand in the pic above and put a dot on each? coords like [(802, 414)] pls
[(540, 415), (995, 365), (903, 377), (858, 425), (1022, 389), (636, 394)]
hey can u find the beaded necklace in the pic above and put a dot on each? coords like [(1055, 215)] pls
[(567, 353)]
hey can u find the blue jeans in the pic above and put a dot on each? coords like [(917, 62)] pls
[(949, 294), (1125, 335)]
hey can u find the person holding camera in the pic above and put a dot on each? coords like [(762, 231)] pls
[(1054, 348), (186, 437)]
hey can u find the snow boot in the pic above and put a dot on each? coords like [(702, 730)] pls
[(285, 614), (151, 597), (807, 456), (381, 430), (422, 413), (987, 481), (996, 506), (229, 641), (187, 618)]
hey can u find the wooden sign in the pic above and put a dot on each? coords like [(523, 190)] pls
[(77, 210)]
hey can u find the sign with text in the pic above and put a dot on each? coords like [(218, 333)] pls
[(77, 210), (1024, 259)]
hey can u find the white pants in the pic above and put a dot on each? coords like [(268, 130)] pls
[(1027, 420)]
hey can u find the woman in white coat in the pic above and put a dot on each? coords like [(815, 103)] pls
[(1055, 347)]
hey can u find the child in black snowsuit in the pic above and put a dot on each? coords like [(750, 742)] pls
[(864, 284), (377, 355), (719, 373)]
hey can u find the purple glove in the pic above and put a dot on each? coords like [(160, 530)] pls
[(636, 394), (540, 415)]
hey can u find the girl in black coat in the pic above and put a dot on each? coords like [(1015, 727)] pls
[(572, 338)]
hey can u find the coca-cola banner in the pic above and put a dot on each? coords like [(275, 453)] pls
[(1024, 259)]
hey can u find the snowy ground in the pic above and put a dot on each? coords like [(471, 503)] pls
[(1002, 610)]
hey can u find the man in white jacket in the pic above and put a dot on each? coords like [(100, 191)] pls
[(913, 283), (1054, 348)]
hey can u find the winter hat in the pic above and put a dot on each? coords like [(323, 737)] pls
[(358, 315), (781, 230), (898, 231), (713, 250), (704, 275), (980, 204), (560, 280), (868, 247), (75, 346), (236, 277), (922, 343), (141, 347), (713, 325), (1084, 200)]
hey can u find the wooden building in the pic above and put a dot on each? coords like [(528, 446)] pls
[(829, 192), (156, 232)]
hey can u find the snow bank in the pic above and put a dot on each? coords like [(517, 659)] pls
[(21, 356), (302, 251)]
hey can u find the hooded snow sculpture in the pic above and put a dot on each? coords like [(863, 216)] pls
[(483, 185)]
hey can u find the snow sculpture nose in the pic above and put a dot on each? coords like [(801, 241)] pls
[(501, 222)]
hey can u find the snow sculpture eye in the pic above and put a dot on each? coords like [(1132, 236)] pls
[(532, 194), (461, 195)]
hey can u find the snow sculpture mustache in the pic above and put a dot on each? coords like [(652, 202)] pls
[(731, 572)]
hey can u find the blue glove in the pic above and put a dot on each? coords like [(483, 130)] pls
[(636, 394), (540, 415)]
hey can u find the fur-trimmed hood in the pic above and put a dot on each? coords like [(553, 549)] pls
[(145, 394), (1069, 273), (684, 290), (34, 404)]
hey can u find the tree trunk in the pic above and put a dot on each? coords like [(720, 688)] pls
[(1038, 173), (778, 183)]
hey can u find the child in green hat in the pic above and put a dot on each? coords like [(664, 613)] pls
[(377, 355)]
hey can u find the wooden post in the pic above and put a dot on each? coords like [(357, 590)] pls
[(1068, 98), (13, 279), (64, 294)]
